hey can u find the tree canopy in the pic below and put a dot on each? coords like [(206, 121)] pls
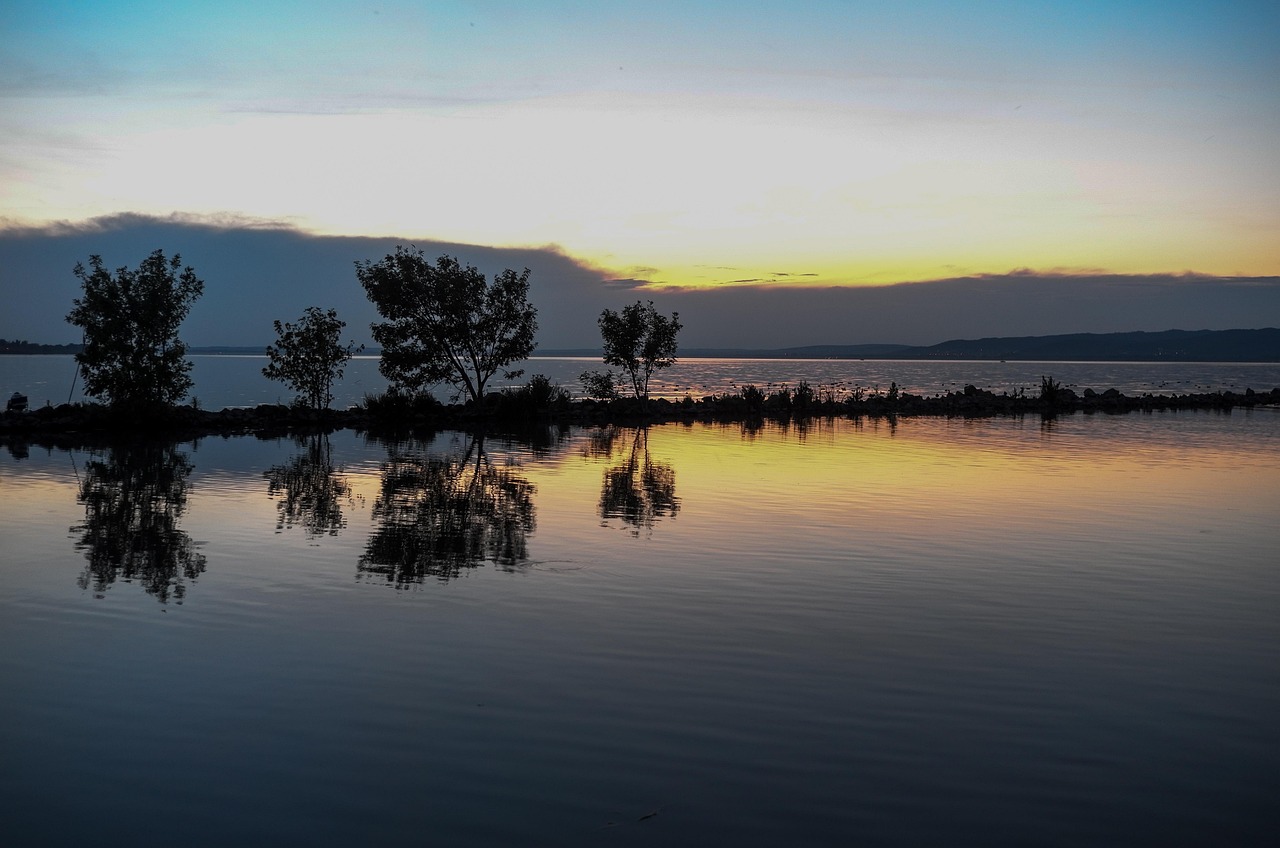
[(640, 341), (308, 356), (132, 354), (445, 323)]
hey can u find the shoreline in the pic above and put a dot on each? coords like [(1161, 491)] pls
[(88, 424)]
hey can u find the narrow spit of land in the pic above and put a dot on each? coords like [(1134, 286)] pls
[(68, 424)]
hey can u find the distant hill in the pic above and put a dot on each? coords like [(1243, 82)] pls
[(807, 352), (1167, 346), (862, 351)]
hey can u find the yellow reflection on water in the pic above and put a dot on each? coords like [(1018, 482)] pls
[(928, 483), (938, 490)]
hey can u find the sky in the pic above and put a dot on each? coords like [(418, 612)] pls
[(667, 147)]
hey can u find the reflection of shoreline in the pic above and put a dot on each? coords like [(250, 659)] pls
[(134, 500), (437, 514)]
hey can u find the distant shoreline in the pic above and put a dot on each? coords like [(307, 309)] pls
[(1261, 346), (1208, 346), (756, 355)]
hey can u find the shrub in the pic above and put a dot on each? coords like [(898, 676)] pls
[(754, 398), (538, 395), (804, 396), (542, 392), (395, 404), (599, 385)]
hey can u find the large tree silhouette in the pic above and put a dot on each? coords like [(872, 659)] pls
[(132, 354), (445, 322)]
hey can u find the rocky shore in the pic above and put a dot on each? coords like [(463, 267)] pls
[(78, 424)]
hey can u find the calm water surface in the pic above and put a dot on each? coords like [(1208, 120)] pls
[(223, 381), (997, 632)]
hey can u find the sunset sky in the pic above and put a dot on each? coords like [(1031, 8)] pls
[(678, 143)]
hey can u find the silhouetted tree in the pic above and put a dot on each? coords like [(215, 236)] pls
[(638, 490), (639, 340), (133, 501), (437, 514), (132, 355), (309, 356), (307, 490), (445, 323)]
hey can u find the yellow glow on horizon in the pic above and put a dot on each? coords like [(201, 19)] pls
[(678, 192)]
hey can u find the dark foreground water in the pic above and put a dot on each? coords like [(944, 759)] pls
[(998, 632)]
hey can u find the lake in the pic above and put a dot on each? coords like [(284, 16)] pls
[(225, 381), (930, 632)]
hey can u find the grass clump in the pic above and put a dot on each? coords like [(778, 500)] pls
[(394, 405), (538, 396), (1050, 390)]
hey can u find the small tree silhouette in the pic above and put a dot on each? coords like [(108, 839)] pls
[(308, 356), (639, 341)]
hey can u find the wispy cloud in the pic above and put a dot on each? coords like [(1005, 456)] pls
[(809, 144)]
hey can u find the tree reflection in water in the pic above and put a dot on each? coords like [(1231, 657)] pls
[(307, 490), (637, 490), (438, 513), (133, 501)]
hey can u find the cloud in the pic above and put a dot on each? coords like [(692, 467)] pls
[(258, 270), (1012, 304), (774, 277)]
